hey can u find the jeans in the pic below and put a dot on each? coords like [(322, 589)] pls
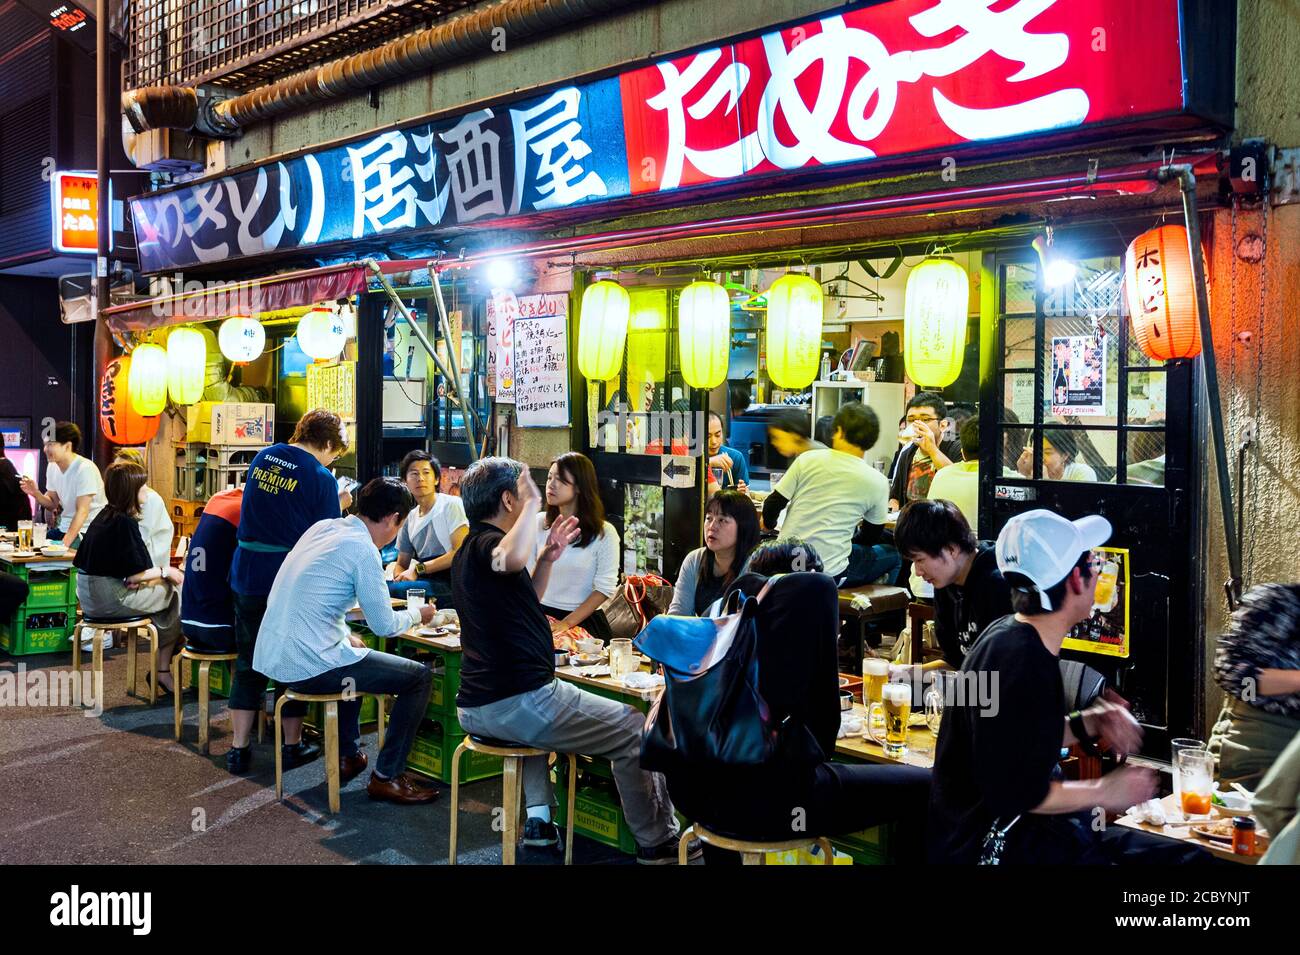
[(247, 686), (436, 588), (867, 564), (386, 673), (563, 719)]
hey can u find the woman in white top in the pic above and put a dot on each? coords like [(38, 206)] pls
[(155, 521), (586, 574)]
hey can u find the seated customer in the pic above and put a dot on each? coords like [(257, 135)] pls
[(585, 575), (960, 482), (789, 556), (828, 493), (1060, 458), (790, 433), (508, 688), (1258, 665), (432, 532), (117, 577), (155, 520), (995, 793), (304, 642), (207, 608), (74, 488), (926, 421), (969, 592), (730, 533), (805, 793), (728, 468)]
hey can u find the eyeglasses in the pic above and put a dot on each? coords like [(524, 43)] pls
[(927, 418)]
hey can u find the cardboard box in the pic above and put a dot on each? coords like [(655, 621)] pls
[(220, 422)]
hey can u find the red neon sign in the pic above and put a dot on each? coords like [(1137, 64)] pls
[(74, 202)]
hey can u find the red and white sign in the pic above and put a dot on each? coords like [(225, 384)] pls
[(74, 201), (907, 77), (502, 311)]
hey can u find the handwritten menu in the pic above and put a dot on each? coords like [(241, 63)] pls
[(332, 386), (541, 361)]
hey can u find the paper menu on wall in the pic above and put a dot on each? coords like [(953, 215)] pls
[(541, 361)]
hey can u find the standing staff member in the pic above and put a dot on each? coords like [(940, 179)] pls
[(73, 485), (728, 467), (287, 490)]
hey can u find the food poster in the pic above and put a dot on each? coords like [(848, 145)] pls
[(1107, 630), (643, 514), (1078, 377)]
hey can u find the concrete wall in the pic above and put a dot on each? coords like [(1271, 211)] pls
[(601, 44), (1259, 379)]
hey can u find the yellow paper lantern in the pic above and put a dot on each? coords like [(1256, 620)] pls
[(703, 333), (647, 335), (794, 331), (187, 356), (146, 380), (321, 333), (241, 338), (602, 330), (934, 322)]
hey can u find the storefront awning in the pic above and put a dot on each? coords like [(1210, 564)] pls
[(251, 296)]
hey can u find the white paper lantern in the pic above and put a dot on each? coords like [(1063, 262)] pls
[(241, 338), (321, 333)]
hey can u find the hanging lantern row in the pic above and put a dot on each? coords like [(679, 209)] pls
[(1161, 290)]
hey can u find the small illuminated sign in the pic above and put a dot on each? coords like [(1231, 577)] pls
[(68, 18), (74, 200)]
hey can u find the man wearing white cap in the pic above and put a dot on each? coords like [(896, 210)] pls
[(996, 794)]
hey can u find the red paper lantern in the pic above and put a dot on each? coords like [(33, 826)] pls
[(1161, 291), (117, 419)]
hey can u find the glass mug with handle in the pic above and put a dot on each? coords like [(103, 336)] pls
[(875, 674), (623, 658), (896, 709)]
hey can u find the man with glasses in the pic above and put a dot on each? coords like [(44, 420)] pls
[(927, 420)]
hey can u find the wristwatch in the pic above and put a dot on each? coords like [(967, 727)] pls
[(1086, 742), (419, 567)]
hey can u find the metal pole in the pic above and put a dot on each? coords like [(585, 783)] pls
[(446, 336), (104, 88), (433, 353), (1187, 183)]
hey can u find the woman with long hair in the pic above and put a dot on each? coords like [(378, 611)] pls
[(117, 576), (730, 534), (586, 574)]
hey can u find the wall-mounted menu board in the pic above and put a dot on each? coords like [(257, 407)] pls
[(541, 356), (332, 386)]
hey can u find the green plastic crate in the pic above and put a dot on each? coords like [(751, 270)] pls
[(220, 677), (54, 589), (597, 812), (432, 751), (868, 847), (39, 631), (315, 717)]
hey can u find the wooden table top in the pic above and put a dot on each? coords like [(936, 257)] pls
[(39, 558), (576, 676), (1182, 832), (920, 744)]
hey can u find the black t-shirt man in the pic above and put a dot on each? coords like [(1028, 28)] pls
[(964, 611), (1000, 741), (504, 636)]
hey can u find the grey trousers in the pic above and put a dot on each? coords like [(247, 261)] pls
[(564, 719)]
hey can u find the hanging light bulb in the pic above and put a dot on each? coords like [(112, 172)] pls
[(321, 334), (147, 380), (1057, 269), (187, 356), (602, 330), (241, 338), (703, 333), (934, 322), (794, 330)]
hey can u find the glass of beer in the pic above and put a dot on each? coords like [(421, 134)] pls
[(875, 674), (24, 541), (1106, 580), (1196, 785), (896, 709)]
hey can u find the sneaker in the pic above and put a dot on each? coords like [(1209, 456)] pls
[(87, 646), (542, 834), (666, 853), (239, 759), (299, 754)]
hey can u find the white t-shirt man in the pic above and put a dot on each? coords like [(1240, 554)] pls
[(426, 536), (829, 493), (81, 477)]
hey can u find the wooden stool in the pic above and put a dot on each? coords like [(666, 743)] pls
[(205, 661), (751, 851), (512, 755), (331, 729), (131, 632)]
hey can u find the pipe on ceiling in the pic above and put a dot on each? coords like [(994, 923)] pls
[(464, 36)]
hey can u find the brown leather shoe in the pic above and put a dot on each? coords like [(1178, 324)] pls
[(401, 789), (350, 766)]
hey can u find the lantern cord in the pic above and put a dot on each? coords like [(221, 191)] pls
[(1186, 178)]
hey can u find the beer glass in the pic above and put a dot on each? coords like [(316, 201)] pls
[(1177, 746), (1196, 767), (875, 673), (1106, 580), (896, 709), (622, 658), (415, 598), (24, 541)]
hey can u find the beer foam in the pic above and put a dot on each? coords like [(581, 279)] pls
[(896, 693), (874, 666)]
